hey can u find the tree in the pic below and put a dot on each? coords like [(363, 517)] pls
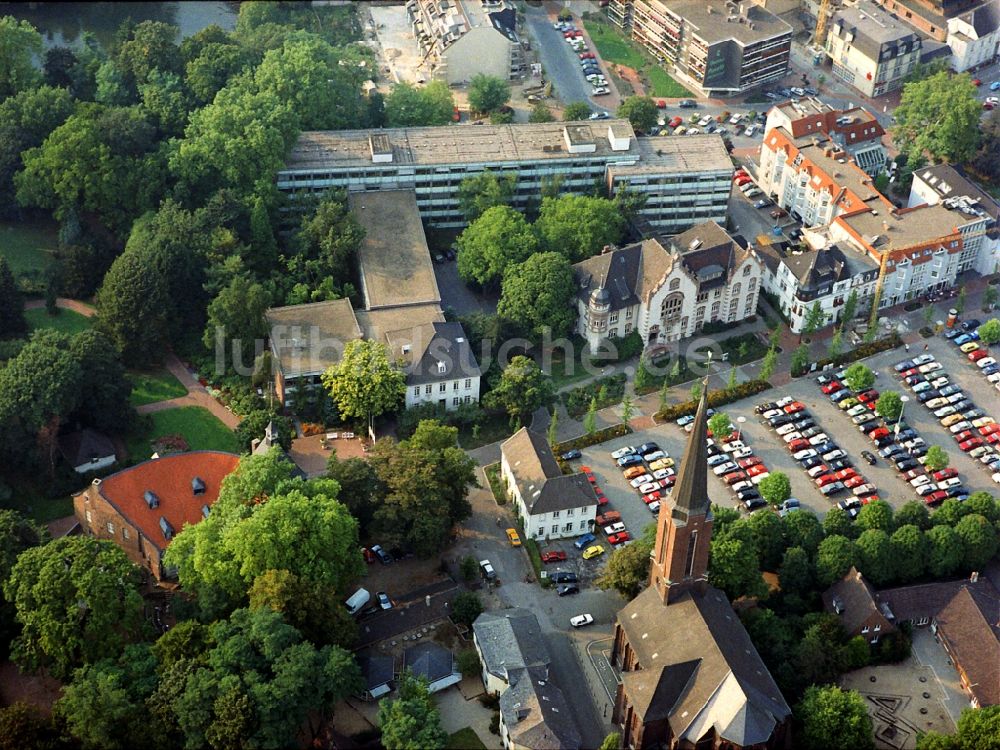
[(407, 106), (326, 246), (538, 295), (590, 420), (499, 238), (776, 488), (20, 43), (132, 306), (213, 67), (850, 308), (733, 567), (800, 359), (103, 390), (913, 513), (411, 722), (578, 226), (77, 602), (946, 551), (832, 718), (236, 318), (875, 558), (696, 388), (541, 113), (254, 424), (960, 301), (814, 320), (835, 556), (803, 529), (627, 570), (314, 609), (23, 725), (488, 93), (949, 513), (17, 533), (521, 389), (889, 406), (859, 377), (721, 426), (876, 515), (466, 608), (576, 111), (978, 728), (938, 116), (796, 572), (628, 408), (979, 541), (150, 47), (165, 98), (989, 332), (835, 347), (936, 458), (768, 365), (985, 505), (364, 384), (483, 191), (611, 742), (12, 322), (768, 533), (640, 111), (838, 523), (909, 547)]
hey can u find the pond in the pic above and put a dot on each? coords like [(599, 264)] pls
[(64, 23)]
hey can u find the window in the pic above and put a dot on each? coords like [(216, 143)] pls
[(628, 314), (628, 328), (692, 546), (702, 296), (443, 387), (468, 382), (555, 529), (454, 386), (864, 630), (583, 525), (555, 514), (752, 285), (674, 284), (111, 528), (877, 628), (568, 527), (468, 399), (456, 401), (427, 390), (746, 270), (737, 287), (416, 391), (613, 318), (569, 511)]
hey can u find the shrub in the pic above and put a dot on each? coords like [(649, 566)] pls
[(600, 436), (862, 351), (468, 662), (577, 400), (715, 400)]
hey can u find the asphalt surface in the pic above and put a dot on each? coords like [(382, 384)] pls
[(560, 60)]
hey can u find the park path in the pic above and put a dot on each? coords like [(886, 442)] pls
[(197, 395)]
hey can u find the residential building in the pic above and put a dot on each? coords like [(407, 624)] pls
[(377, 672), (932, 17), (459, 39), (551, 504), (402, 309), (855, 131), (684, 180), (87, 450), (974, 37), (690, 675), (534, 713), (856, 605), (719, 48), (703, 275), (434, 663), (968, 629), (798, 278), (141, 508), (870, 49)]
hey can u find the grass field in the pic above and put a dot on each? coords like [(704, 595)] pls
[(614, 47), (27, 247), (156, 385), (198, 425), (464, 739), (661, 84), (66, 321)]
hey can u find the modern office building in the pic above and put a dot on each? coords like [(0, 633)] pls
[(870, 49), (463, 38), (720, 48), (685, 180)]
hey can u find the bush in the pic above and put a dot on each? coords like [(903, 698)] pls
[(577, 400), (624, 349), (860, 352), (715, 400), (601, 436), (468, 662), (466, 608)]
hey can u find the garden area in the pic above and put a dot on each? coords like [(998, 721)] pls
[(607, 391), (28, 246), (192, 428), (64, 321), (153, 386), (614, 47)]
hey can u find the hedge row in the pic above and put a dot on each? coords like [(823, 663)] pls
[(577, 401), (878, 346), (715, 400), (600, 436)]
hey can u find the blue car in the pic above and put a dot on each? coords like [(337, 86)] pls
[(625, 461), (995, 86), (684, 421), (991, 370), (952, 333), (584, 540), (963, 339)]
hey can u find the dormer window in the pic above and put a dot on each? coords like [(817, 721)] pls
[(151, 499), (166, 528), (204, 511), (442, 368), (198, 486)]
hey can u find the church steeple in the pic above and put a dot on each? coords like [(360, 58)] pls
[(684, 530)]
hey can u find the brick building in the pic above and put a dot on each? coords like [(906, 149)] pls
[(142, 508)]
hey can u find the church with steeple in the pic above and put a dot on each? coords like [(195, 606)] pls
[(690, 675)]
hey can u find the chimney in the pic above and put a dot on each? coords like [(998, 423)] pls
[(974, 578), (254, 444), (885, 227)]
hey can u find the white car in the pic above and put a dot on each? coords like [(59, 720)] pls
[(628, 450), (982, 450), (985, 362), (771, 413), (785, 429), (802, 455), (784, 401), (760, 477), (856, 410), (654, 456), (817, 470), (818, 439), (919, 481), (944, 411), (996, 477), (982, 421), (733, 446), (735, 118), (705, 120), (740, 486), (662, 474), (960, 427), (947, 484), (654, 507), (614, 528), (748, 186), (994, 378), (937, 403), (929, 367), (641, 480), (923, 359), (834, 455), (580, 620), (743, 453), (645, 489), (922, 386), (792, 436), (725, 468), (940, 382)]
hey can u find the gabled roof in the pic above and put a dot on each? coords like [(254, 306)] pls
[(707, 248), (448, 346), (970, 623), (376, 670), (540, 481), (83, 446), (537, 714), (429, 660), (630, 274), (510, 639), (985, 19), (854, 600)]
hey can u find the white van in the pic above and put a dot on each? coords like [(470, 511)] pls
[(358, 600)]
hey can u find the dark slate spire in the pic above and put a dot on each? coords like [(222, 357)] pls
[(690, 494)]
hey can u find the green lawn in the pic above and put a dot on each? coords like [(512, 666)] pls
[(27, 246), (66, 321), (199, 427), (661, 84), (27, 499), (464, 739), (612, 46), (153, 386)]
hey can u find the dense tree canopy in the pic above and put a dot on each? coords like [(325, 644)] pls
[(832, 718), (578, 226), (938, 116), (641, 111), (12, 321), (497, 239), (483, 191), (859, 377), (365, 384), (539, 295), (409, 106), (132, 306), (521, 389), (576, 111), (488, 93), (20, 43), (411, 721)]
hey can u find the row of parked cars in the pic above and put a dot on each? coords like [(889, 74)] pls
[(588, 59), (650, 471)]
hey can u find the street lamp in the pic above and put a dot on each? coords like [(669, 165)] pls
[(739, 430), (903, 399)]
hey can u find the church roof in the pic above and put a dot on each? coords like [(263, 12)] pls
[(690, 493)]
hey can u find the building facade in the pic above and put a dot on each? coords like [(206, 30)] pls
[(463, 38), (142, 508), (719, 48), (668, 291), (931, 17), (551, 504), (871, 50), (974, 37), (681, 179)]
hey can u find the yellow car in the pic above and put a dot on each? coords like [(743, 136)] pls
[(969, 346), (515, 540), (951, 419), (982, 421), (594, 551), (663, 463)]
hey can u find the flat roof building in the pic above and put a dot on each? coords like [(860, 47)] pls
[(684, 180)]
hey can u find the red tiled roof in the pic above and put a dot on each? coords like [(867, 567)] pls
[(170, 478)]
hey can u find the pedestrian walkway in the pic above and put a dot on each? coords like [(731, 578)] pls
[(73, 305)]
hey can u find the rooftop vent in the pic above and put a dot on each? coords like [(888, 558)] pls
[(166, 528), (151, 499), (198, 486)]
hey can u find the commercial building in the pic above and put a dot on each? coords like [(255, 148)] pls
[(974, 37), (463, 38), (142, 508), (684, 180), (871, 50), (667, 293), (690, 675), (719, 48), (551, 504), (934, 17), (402, 309)]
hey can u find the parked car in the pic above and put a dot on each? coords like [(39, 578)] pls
[(584, 540), (384, 557), (593, 551), (581, 620), (513, 538), (571, 455), (555, 555), (567, 589)]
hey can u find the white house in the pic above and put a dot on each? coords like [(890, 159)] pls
[(87, 450), (551, 504), (706, 276), (974, 37)]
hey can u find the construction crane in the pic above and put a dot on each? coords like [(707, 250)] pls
[(819, 35)]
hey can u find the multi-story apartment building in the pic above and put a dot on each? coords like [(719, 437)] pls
[(685, 180), (721, 48), (462, 38), (856, 131), (932, 17), (974, 37), (705, 276), (870, 49)]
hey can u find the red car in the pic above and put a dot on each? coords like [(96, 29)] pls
[(742, 180), (556, 555), (965, 435), (674, 122), (738, 476), (652, 497), (825, 479), (855, 481), (947, 473), (846, 473), (587, 56), (879, 432), (798, 445), (832, 387), (868, 499), (601, 498), (589, 474), (993, 438), (968, 445), (936, 497), (661, 103), (989, 429), (976, 82), (978, 355), (756, 470), (619, 538), (906, 373), (668, 481), (867, 396), (746, 463), (795, 407)]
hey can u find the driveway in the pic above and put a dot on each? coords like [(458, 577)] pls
[(457, 296)]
